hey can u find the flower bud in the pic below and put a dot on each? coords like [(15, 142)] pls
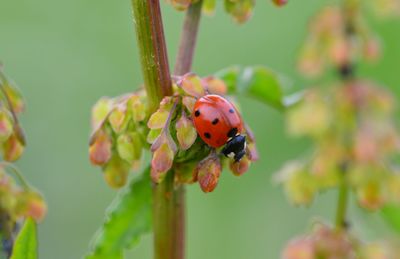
[(158, 119), (215, 85), (185, 132), (118, 119), (239, 168), (6, 125), (161, 162), (100, 111), (208, 172), (280, 2), (100, 148), (137, 107), (12, 148), (370, 195), (116, 172), (301, 248), (15, 97), (129, 146), (240, 10), (192, 85)]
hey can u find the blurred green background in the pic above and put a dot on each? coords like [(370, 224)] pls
[(67, 54)]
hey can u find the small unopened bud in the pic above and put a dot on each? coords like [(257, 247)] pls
[(129, 146), (280, 2), (192, 85), (239, 168), (6, 125), (100, 148), (117, 118), (208, 172), (36, 207), (100, 111), (215, 85), (116, 172), (185, 132), (301, 248), (12, 148)]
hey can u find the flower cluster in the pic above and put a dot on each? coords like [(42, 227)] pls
[(122, 129), (240, 10), (19, 200), (172, 123), (385, 8), (327, 43), (327, 242), (119, 130), (12, 140), (355, 141)]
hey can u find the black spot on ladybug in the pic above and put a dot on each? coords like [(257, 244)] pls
[(232, 132), (215, 121), (207, 135), (197, 113), (231, 110)]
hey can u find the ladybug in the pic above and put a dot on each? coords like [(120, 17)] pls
[(219, 124)]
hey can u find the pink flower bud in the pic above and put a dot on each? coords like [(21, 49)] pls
[(100, 148), (208, 172), (239, 168)]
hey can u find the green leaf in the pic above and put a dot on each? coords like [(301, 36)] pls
[(25, 246), (128, 218), (257, 81), (391, 214)]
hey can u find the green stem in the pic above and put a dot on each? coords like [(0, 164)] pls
[(187, 44), (183, 65), (152, 48), (157, 80), (341, 210)]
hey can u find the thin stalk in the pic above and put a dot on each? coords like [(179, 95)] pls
[(187, 44), (346, 71), (341, 210), (183, 65)]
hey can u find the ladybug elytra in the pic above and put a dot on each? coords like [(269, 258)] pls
[(219, 123)]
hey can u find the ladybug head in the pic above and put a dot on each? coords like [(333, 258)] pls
[(235, 147)]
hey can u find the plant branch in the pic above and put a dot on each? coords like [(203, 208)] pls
[(187, 44), (183, 64), (341, 210)]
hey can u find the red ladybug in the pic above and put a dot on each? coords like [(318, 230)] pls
[(218, 123)]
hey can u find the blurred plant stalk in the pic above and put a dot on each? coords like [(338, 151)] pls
[(168, 200)]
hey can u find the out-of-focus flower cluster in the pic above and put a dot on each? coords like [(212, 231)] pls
[(240, 10), (118, 138), (327, 44), (19, 200), (172, 124), (355, 140), (385, 8), (329, 243), (123, 128), (12, 140)]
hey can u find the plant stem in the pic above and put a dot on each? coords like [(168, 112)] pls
[(168, 202), (152, 48), (183, 65), (341, 211), (187, 44), (157, 80)]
